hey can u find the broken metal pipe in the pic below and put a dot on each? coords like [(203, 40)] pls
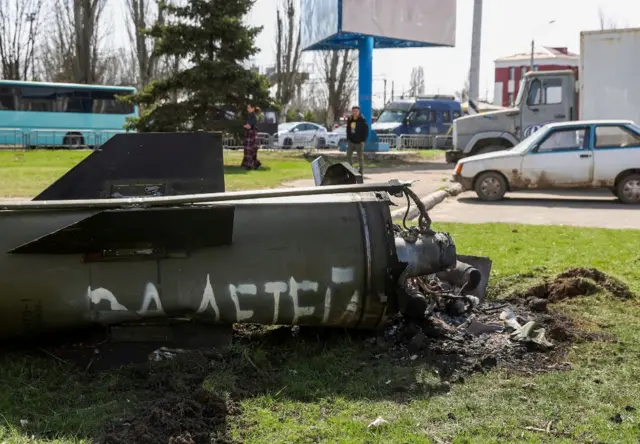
[(462, 275)]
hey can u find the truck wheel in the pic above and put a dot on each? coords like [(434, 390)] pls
[(490, 186), (491, 149), (628, 189)]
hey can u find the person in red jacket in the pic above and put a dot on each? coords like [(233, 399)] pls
[(250, 159)]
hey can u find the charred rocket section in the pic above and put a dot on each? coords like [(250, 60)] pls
[(328, 256)]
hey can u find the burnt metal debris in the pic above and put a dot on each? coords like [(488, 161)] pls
[(142, 230)]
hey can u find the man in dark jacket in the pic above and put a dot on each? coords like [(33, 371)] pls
[(357, 134)]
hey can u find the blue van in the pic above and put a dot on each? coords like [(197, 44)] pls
[(423, 115)]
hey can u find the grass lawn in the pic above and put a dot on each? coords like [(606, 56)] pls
[(312, 391), (25, 174)]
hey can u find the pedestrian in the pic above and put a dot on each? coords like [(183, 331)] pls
[(250, 160), (357, 134)]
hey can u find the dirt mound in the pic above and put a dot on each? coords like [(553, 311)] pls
[(577, 282), (188, 419), (179, 411)]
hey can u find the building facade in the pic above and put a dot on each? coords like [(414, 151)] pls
[(510, 70)]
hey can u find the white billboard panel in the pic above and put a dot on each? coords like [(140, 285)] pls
[(428, 21), (609, 74), (318, 19)]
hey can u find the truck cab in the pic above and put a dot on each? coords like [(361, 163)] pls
[(424, 115), (544, 97)]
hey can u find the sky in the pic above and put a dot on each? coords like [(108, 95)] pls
[(507, 28)]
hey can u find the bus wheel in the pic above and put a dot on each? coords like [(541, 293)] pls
[(73, 140)]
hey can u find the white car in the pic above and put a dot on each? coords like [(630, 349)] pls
[(582, 154), (300, 135), (337, 135)]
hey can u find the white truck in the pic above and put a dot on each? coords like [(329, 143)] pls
[(608, 88)]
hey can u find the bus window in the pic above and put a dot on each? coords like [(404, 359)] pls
[(73, 101), (37, 99), (446, 116), (105, 102), (7, 99)]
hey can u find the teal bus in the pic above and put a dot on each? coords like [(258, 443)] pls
[(61, 115)]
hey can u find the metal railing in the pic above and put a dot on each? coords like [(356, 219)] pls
[(11, 138), (16, 139)]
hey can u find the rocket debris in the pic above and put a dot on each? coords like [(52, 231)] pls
[(330, 256)]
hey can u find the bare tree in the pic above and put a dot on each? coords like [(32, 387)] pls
[(463, 94), (143, 14), (120, 68), (74, 51), (416, 84), (19, 20), (58, 52), (337, 71), (287, 76)]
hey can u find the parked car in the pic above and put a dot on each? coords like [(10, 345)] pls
[(336, 136), (300, 135), (581, 154)]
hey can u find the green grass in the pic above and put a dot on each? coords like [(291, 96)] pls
[(310, 391), (25, 174)]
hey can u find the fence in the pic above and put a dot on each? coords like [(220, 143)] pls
[(13, 138)]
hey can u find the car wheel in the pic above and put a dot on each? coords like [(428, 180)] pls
[(287, 143), (490, 186), (628, 189)]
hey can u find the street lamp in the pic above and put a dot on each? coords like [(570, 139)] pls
[(533, 43)]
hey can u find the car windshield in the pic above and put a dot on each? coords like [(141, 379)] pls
[(635, 127), (524, 146), (392, 116), (287, 126), (520, 93)]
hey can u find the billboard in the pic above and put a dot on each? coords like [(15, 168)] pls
[(318, 21), (429, 21)]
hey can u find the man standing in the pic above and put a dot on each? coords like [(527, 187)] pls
[(357, 133)]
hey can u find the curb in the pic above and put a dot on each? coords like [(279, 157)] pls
[(429, 201)]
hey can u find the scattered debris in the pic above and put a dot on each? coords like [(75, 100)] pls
[(165, 353), (378, 422), (519, 334), (617, 418)]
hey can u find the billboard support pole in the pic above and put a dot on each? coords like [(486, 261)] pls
[(365, 79)]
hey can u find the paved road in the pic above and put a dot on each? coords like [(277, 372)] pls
[(430, 176), (596, 208)]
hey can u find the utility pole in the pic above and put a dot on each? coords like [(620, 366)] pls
[(31, 17), (532, 49), (476, 39), (533, 44), (385, 93)]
